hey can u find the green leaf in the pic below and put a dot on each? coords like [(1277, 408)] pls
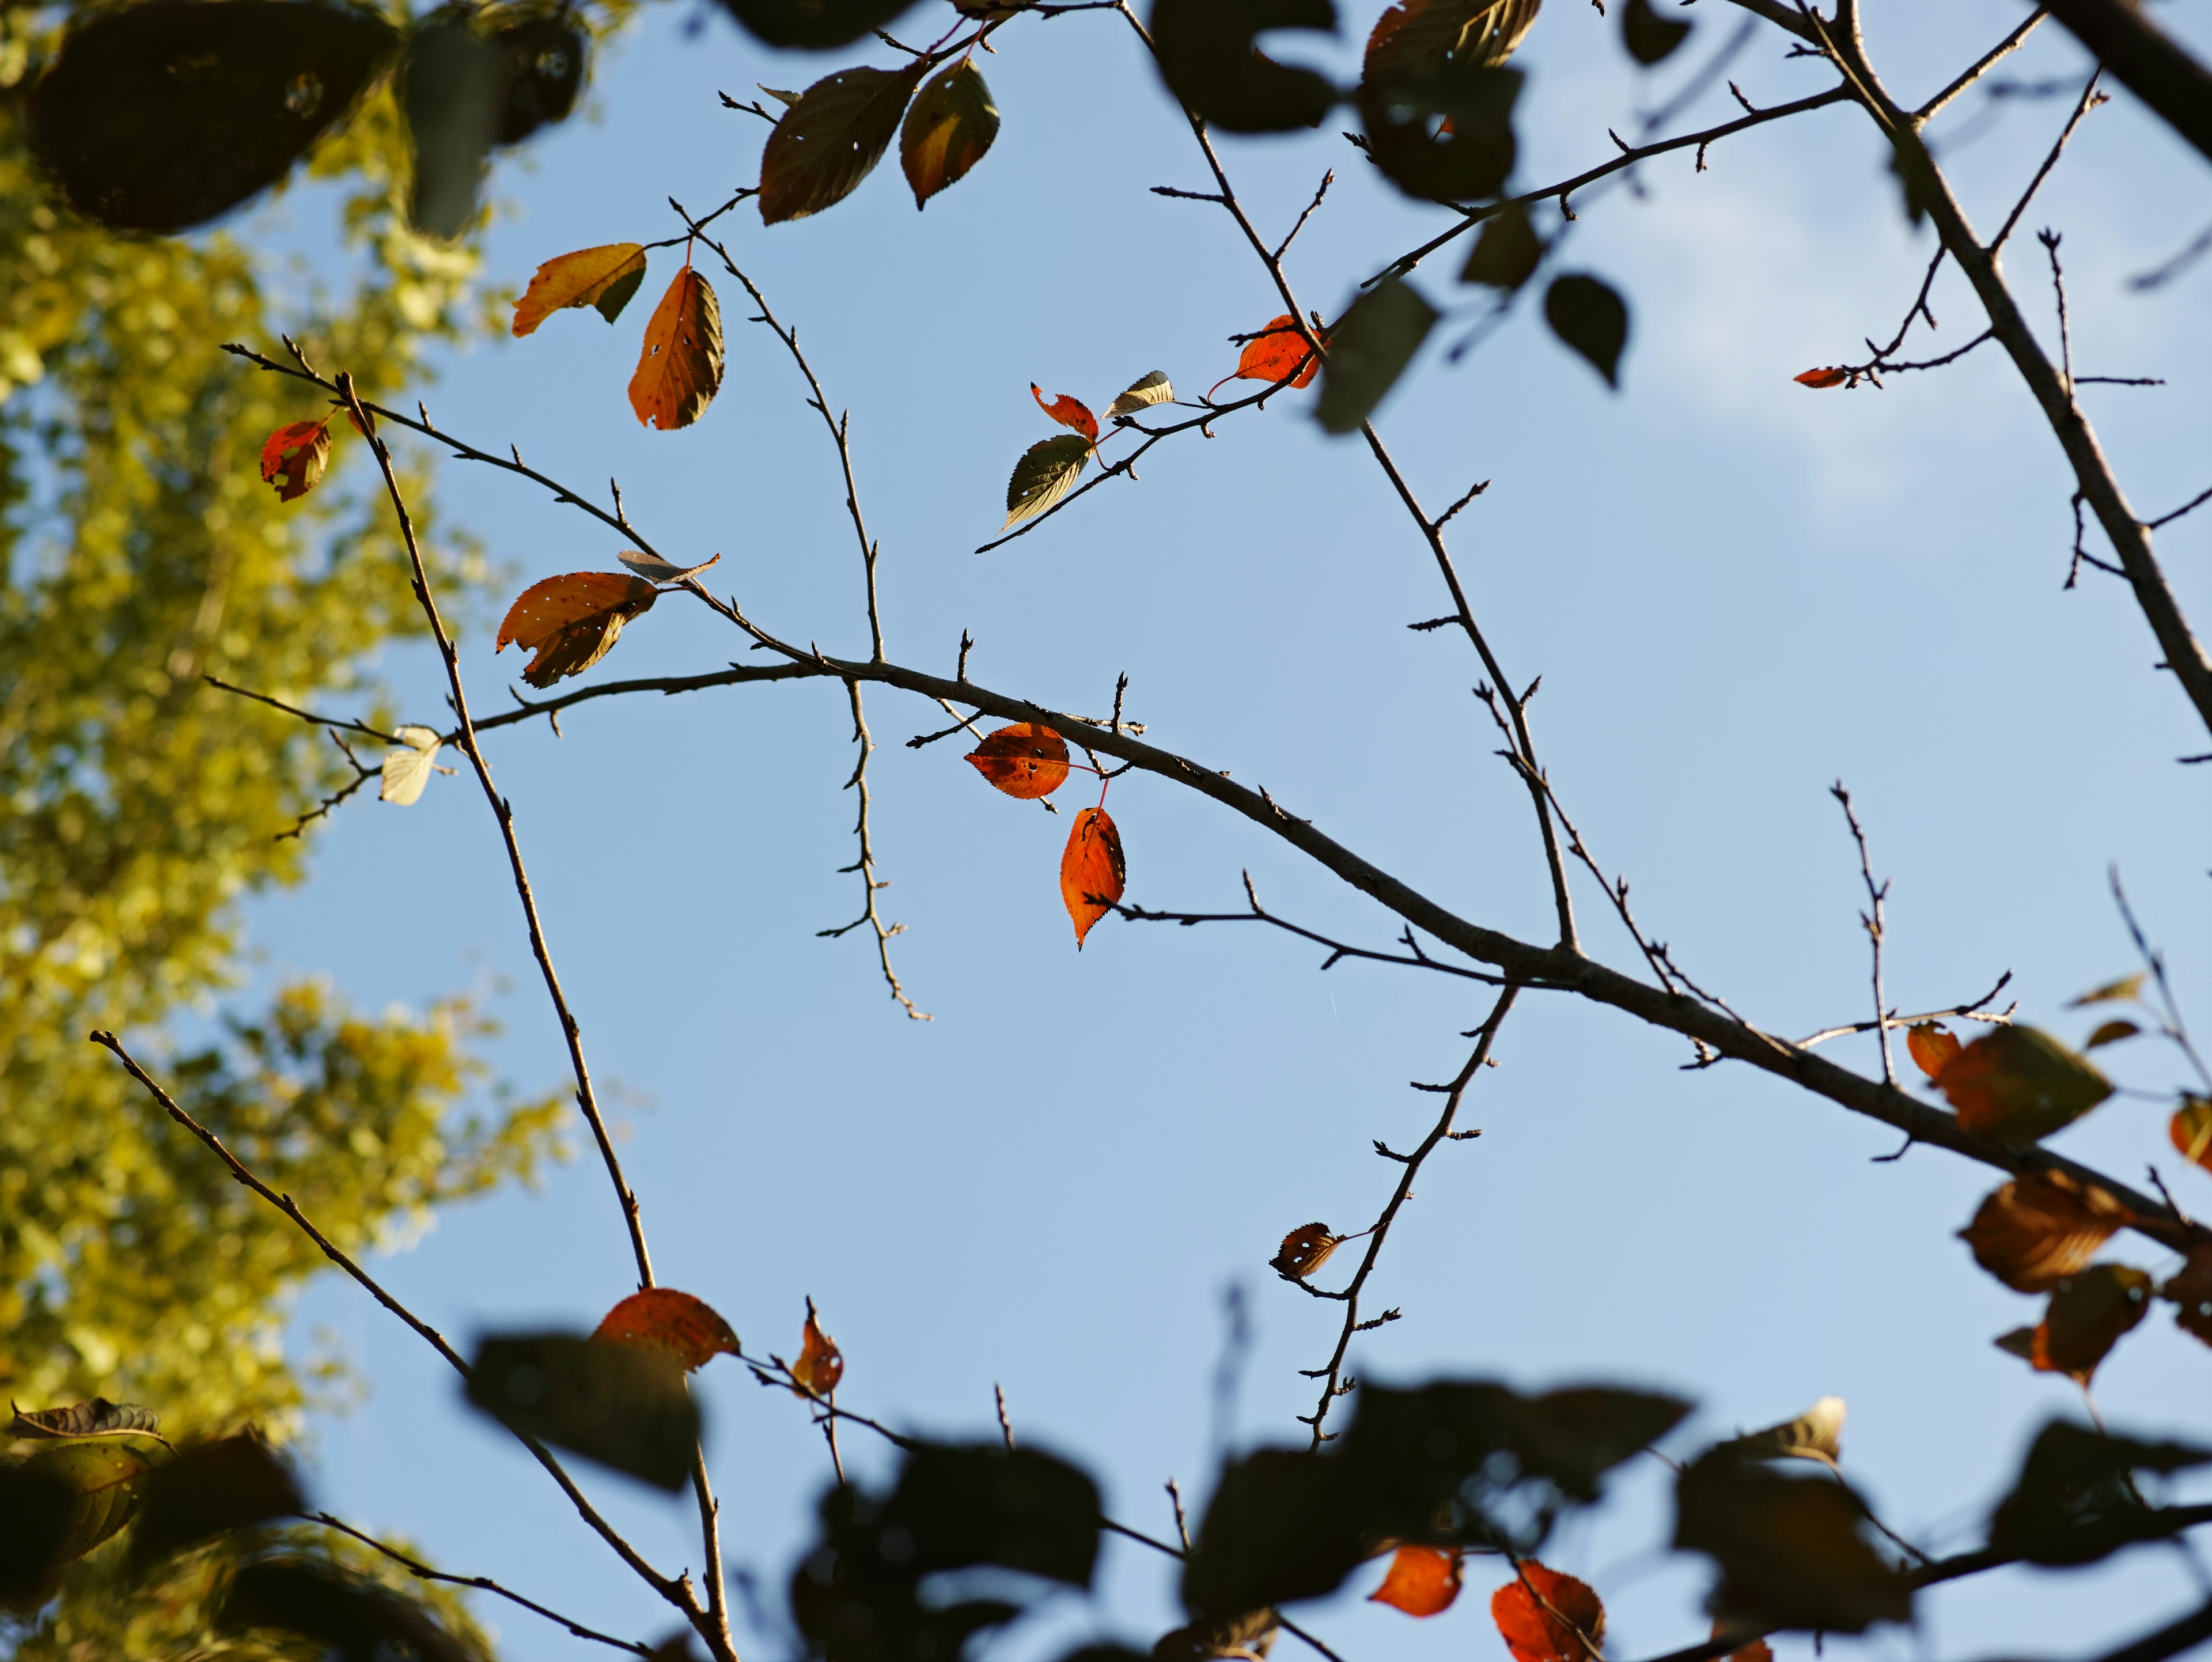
[(2019, 1085), (1046, 472), (346, 1612), (1206, 56), (35, 1508), (1419, 37), (1368, 350), (1473, 158), (452, 86), (2074, 1501), (622, 1405), (1506, 252), (814, 25), (826, 143), (1792, 1551), (1587, 316), (950, 127), (158, 117), (209, 1489), (1650, 38)]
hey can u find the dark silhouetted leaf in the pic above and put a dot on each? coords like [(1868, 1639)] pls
[(1281, 1525), (2089, 1313), (1544, 1616), (814, 25), (1025, 760), (1046, 472), (209, 1489), (347, 1613), (571, 622), (1368, 350), (689, 1329), (2122, 991), (453, 85), (159, 116), (622, 1405), (2019, 1085), (2190, 1289), (826, 143), (1815, 1434), (604, 277), (1208, 60), (1305, 1250), (294, 456), (1092, 875), (1421, 1581), (1792, 1551), (2034, 1232), (1650, 38), (2110, 1032), (1587, 315), (35, 1508), (545, 62), (679, 365), (820, 1363), (2074, 1501), (946, 132), (1417, 38), (94, 1418), (1506, 251), (1240, 1637), (1444, 135)]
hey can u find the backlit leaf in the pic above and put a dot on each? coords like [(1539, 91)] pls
[(1932, 1045), (1831, 375), (407, 770), (687, 1328), (1792, 1551), (294, 457), (1025, 760), (159, 116), (826, 143), (2190, 1290), (1587, 316), (2127, 988), (654, 569), (1421, 1581), (1650, 38), (2019, 1085), (1506, 252), (1815, 1434), (1206, 53), (573, 621), (2110, 1032), (2088, 1314), (605, 277), (2076, 1501), (2035, 1231), (623, 1405), (1275, 354), (814, 25), (946, 132), (820, 1363), (1305, 1250), (1091, 873), (92, 1418), (2190, 1129), (1445, 135), (1068, 412), (1046, 472), (1417, 38), (1368, 350), (344, 1612), (105, 1477), (1545, 1616), (679, 369), (209, 1489), (1141, 395)]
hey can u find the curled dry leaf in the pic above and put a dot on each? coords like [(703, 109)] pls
[(293, 458), (1142, 395), (1068, 412), (679, 369), (1046, 472), (1305, 1250), (95, 1417), (2019, 1085), (1422, 1581), (1932, 1045), (407, 771), (662, 1318), (2034, 1232), (820, 1363), (831, 139), (2191, 1131), (1092, 873), (605, 277), (1815, 1434), (1026, 760), (1548, 1616), (654, 569), (2087, 1315), (946, 132), (1833, 375), (571, 622), (2190, 1289)]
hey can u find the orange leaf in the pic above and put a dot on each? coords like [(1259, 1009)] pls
[(1832, 376), (1305, 1250), (680, 369), (1757, 1651), (1932, 1045), (2019, 1085), (661, 1318), (571, 622), (293, 458), (1024, 760), (605, 276), (2034, 1232), (1092, 872), (820, 1363), (1546, 1617), (1276, 352), (1068, 412), (1422, 1581), (2191, 1131)]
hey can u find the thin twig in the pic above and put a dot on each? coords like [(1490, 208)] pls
[(1875, 927), (866, 865)]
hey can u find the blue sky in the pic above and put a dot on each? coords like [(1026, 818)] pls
[(1736, 591)]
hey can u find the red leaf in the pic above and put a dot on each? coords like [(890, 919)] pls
[(661, 1318), (293, 458), (1024, 760), (1834, 376), (1274, 354), (1068, 412), (820, 1363), (1546, 1617), (1091, 870), (1422, 1581)]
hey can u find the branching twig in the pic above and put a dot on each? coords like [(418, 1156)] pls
[(866, 865)]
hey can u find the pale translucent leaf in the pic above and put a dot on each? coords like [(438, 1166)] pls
[(654, 569), (1142, 395), (1815, 1434), (1047, 471), (406, 771)]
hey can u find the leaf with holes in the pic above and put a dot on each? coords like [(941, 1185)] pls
[(1650, 38), (1417, 38), (2076, 1500), (1757, 1651), (604, 277), (340, 1611), (1507, 252), (1587, 315), (407, 770), (1421, 1581), (1815, 1434), (1545, 1616), (1046, 472), (1206, 55), (1142, 395), (654, 569), (1305, 1250), (1092, 873), (622, 1404), (1368, 350), (679, 369), (2190, 1129), (1821, 378), (294, 457), (946, 132), (660, 1317), (1068, 412), (2019, 1085), (814, 25), (571, 622), (2034, 1232), (1026, 760), (104, 1478), (820, 1363), (826, 143)]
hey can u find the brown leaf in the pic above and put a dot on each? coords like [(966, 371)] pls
[(605, 276), (1757, 1651), (1422, 1581), (2191, 1131), (1823, 379), (1092, 873), (2113, 992), (1932, 1045), (661, 1318), (1305, 1250), (2034, 1232), (2087, 1315), (1026, 760), (1546, 1616), (2019, 1085), (946, 132), (293, 458), (820, 1363), (679, 369), (573, 621), (2191, 1290), (831, 139)]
